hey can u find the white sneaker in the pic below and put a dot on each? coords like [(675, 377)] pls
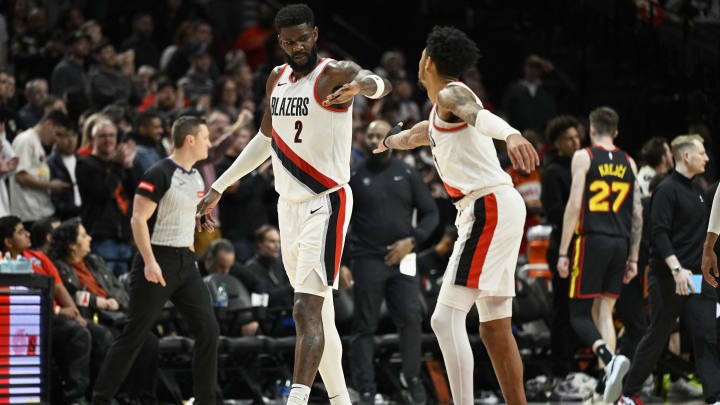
[(630, 401), (614, 373), (683, 388)]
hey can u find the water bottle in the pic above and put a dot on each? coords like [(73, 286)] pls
[(222, 296)]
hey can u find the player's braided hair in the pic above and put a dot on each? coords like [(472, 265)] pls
[(294, 14), (451, 50)]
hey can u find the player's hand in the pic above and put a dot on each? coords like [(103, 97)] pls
[(397, 129), (630, 271), (683, 283), (111, 304), (346, 278), (153, 273), (343, 94), (203, 219), (398, 250), (709, 262), (8, 165), (522, 154), (69, 312), (563, 266), (245, 117)]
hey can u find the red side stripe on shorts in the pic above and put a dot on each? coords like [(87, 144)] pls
[(452, 191), (483, 244), (339, 240)]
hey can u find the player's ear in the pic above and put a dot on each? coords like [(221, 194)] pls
[(315, 33)]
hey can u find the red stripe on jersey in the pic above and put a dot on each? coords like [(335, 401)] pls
[(146, 186), (452, 191), (483, 244), (301, 164), (317, 98), (339, 240), (449, 129), (277, 79)]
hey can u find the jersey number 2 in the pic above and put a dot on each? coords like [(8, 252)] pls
[(599, 203), (298, 129)]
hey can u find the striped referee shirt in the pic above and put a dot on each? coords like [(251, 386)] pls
[(177, 193)]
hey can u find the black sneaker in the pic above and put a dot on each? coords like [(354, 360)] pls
[(415, 390)]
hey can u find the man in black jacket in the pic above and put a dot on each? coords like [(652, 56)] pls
[(386, 193), (106, 181), (677, 217), (62, 165), (562, 133)]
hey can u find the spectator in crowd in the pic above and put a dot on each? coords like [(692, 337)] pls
[(107, 83), (93, 31), (243, 77), (409, 111), (197, 80), (657, 160), (529, 186), (30, 186), (141, 41), (106, 180), (200, 36), (36, 91), (70, 20), (86, 144), (274, 56), (62, 165), (4, 37), (531, 101), (225, 96), (148, 138), (85, 272), (52, 103), (392, 66), (33, 51), (252, 40), (166, 101), (70, 72), (9, 117), (678, 218), (386, 191), (251, 193), (562, 134), (180, 38), (8, 163), (70, 338)]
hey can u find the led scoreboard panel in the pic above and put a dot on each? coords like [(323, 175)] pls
[(25, 307)]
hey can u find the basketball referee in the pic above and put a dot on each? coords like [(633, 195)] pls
[(163, 225)]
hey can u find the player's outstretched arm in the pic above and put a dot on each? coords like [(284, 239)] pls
[(354, 80), (411, 138), (579, 167)]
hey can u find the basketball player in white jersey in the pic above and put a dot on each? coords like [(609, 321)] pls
[(490, 218), (307, 130)]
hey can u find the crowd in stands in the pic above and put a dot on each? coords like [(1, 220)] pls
[(83, 117)]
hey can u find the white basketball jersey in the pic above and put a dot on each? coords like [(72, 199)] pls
[(465, 159), (311, 143)]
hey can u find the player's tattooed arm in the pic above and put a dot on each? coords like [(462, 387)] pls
[(353, 80), (637, 219), (460, 102), (418, 135)]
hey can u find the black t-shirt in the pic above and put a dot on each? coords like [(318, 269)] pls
[(177, 193), (608, 196)]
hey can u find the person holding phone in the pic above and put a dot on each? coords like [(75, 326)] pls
[(677, 221)]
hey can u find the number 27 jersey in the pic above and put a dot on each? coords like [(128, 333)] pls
[(608, 196), (310, 142)]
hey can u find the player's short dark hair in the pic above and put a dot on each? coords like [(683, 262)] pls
[(7, 229), (184, 126), (452, 50), (653, 151), (40, 230), (604, 120), (558, 125), (145, 118), (260, 233), (294, 14), (58, 118)]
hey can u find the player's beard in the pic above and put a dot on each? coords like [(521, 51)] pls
[(308, 65), (375, 159)]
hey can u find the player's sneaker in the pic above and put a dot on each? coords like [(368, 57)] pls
[(630, 401), (614, 373), (684, 389)]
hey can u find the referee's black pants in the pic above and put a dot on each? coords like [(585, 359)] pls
[(185, 288), (698, 312), (375, 282)]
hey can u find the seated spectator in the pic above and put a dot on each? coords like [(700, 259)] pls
[(70, 72), (108, 84), (70, 337), (85, 272), (166, 101), (52, 103), (9, 117), (249, 192), (225, 96), (8, 163), (62, 165), (31, 185), (106, 180), (141, 41), (197, 79), (148, 139), (36, 91)]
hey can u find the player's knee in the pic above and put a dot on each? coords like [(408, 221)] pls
[(494, 330), (307, 310), (438, 322)]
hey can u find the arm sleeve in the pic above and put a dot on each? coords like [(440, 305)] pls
[(154, 183), (256, 152), (493, 126), (714, 224), (427, 209), (661, 210)]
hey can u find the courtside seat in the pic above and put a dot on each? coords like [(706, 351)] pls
[(170, 345)]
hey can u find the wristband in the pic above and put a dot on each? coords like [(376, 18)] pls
[(379, 85), (394, 130), (565, 256)]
